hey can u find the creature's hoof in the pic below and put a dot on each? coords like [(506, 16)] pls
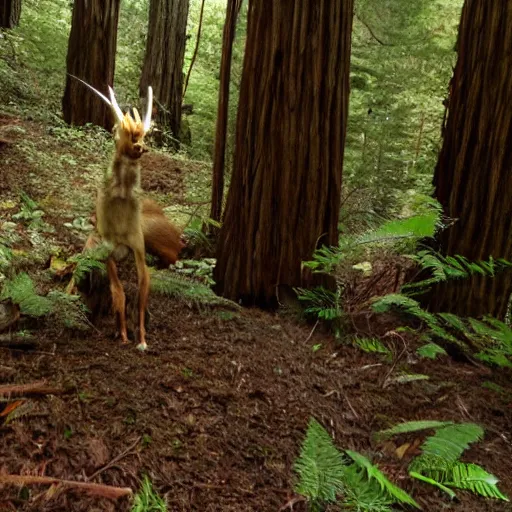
[(142, 346)]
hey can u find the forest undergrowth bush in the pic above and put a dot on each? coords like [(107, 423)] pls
[(487, 339), (327, 475)]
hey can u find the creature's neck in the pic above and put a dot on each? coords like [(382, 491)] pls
[(124, 180)]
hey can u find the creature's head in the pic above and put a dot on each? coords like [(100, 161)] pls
[(128, 131)]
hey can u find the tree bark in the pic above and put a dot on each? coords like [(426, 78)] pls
[(10, 12), (473, 176), (163, 62), (91, 57), (232, 11), (285, 190)]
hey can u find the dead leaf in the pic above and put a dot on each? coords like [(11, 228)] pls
[(402, 450)]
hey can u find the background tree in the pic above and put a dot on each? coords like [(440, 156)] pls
[(163, 62), (10, 12), (285, 191), (473, 176), (91, 57), (232, 11)]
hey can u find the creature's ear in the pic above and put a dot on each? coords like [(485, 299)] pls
[(112, 103), (149, 110)]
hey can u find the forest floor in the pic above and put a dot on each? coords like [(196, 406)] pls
[(217, 408)]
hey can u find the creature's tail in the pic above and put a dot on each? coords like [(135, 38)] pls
[(161, 237)]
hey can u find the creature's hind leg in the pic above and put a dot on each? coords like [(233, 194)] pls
[(143, 278), (118, 297)]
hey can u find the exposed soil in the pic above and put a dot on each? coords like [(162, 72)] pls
[(218, 406)]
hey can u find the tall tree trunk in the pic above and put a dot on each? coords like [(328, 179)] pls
[(285, 190), (91, 57), (10, 12), (163, 63), (232, 11), (473, 177)]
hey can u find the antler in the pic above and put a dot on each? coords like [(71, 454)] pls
[(112, 103)]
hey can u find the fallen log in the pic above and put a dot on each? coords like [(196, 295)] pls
[(33, 388), (105, 491)]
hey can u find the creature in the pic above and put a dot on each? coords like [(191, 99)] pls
[(125, 219)]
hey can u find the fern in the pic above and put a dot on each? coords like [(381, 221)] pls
[(442, 450), (69, 310), (322, 303), (474, 478), (90, 260), (192, 292), (374, 473), (372, 345), (320, 466), (412, 426), (20, 290), (147, 499), (431, 350)]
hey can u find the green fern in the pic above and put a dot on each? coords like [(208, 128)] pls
[(192, 292), (412, 426), (147, 499), (90, 260), (443, 449), (374, 473), (363, 495), (21, 291), (372, 345), (322, 303), (431, 350), (475, 479), (320, 467)]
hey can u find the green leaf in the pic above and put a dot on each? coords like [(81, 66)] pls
[(431, 350), (412, 426), (374, 473), (431, 481)]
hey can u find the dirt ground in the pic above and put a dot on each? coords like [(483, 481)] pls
[(217, 408)]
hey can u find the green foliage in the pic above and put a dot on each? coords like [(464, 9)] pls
[(412, 426), (431, 350), (386, 486), (439, 463), (147, 499), (192, 292), (90, 260), (326, 475), (65, 309), (320, 466), (21, 291), (372, 345)]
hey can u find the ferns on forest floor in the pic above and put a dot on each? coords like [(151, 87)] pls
[(147, 499), (327, 475)]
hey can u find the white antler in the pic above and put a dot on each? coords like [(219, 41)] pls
[(149, 111), (112, 103)]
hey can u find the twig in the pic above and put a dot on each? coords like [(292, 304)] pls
[(114, 460), (196, 49), (397, 359), (292, 502), (312, 332), (34, 388), (350, 406), (105, 491)]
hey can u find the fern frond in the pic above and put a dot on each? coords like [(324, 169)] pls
[(364, 495), (431, 350), (474, 478), (320, 466), (412, 426), (322, 303), (372, 345), (374, 473), (192, 292), (69, 310), (443, 449), (433, 482), (89, 260), (21, 290), (147, 499)]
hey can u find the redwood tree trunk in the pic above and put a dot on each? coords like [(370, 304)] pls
[(10, 12), (232, 11), (284, 196), (91, 57), (163, 63), (473, 178)]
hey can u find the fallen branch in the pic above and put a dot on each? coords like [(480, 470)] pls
[(105, 491), (115, 459), (34, 388)]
